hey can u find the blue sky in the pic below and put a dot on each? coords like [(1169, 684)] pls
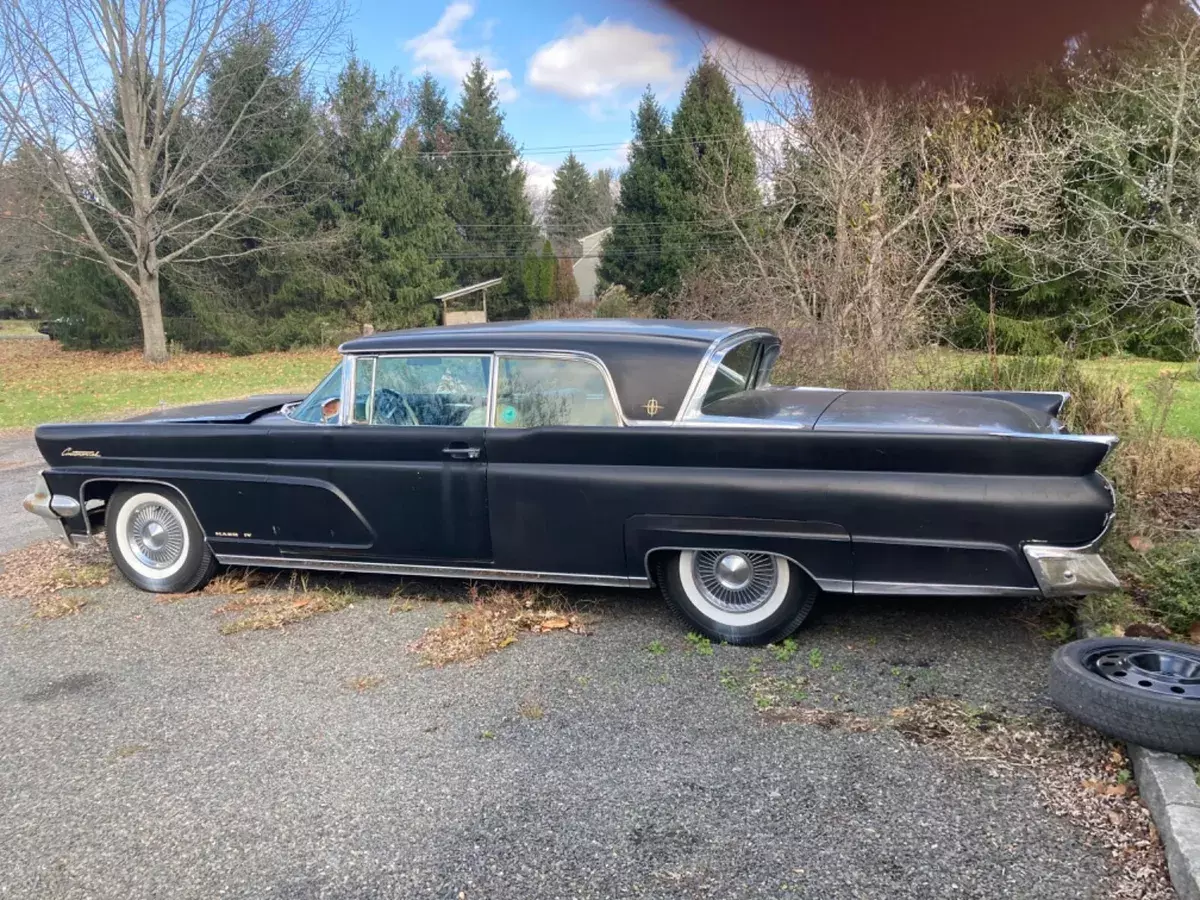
[(569, 72)]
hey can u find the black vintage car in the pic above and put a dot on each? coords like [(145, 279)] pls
[(599, 452)]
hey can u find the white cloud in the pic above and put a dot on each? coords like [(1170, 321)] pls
[(439, 51), (538, 175), (597, 62)]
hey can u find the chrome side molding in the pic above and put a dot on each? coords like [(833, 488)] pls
[(1070, 571), (364, 567)]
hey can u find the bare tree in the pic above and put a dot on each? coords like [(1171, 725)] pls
[(109, 96), (872, 195), (1136, 191)]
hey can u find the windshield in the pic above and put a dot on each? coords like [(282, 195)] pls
[(311, 408)]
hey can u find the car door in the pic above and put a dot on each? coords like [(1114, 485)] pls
[(556, 440), (403, 478)]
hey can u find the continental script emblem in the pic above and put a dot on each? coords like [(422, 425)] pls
[(652, 407), (69, 451)]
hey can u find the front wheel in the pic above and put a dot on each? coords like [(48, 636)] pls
[(155, 540), (737, 597)]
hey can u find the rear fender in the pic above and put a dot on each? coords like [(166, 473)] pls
[(821, 549)]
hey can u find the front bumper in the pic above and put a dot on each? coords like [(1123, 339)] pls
[(1070, 571)]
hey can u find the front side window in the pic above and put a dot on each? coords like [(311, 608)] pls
[(323, 404), (735, 372), (534, 392), (422, 390)]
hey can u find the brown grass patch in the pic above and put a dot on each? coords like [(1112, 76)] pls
[(261, 610), (41, 572), (498, 617)]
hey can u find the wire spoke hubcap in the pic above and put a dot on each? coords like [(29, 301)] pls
[(155, 536), (1176, 674), (735, 582)]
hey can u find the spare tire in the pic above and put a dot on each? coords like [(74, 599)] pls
[(1141, 691)]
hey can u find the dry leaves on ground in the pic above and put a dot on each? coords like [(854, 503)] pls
[(1079, 774), (497, 617), (42, 573)]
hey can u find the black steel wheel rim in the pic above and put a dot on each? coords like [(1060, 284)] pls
[(1172, 673)]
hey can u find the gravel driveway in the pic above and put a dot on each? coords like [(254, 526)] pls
[(19, 464), (143, 754)]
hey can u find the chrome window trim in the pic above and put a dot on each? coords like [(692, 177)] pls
[(702, 380), (382, 568), (580, 355), (375, 357)]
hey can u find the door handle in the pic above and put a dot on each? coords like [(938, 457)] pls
[(459, 450)]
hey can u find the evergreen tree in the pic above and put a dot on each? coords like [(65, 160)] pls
[(394, 227), (488, 202), (711, 168), (606, 203), (538, 275), (630, 254), (572, 212)]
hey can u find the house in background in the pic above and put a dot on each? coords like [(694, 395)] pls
[(585, 267)]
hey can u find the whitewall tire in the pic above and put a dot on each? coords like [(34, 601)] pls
[(155, 540), (739, 597)]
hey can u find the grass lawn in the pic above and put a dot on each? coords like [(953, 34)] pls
[(18, 326), (938, 366), (1184, 417), (39, 382)]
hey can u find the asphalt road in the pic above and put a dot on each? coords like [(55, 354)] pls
[(19, 464), (144, 755)]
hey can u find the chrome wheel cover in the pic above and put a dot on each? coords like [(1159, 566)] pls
[(735, 582), (155, 535)]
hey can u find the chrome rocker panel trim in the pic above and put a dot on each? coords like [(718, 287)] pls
[(380, 568)]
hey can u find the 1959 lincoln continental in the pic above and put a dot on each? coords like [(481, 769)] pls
[(599, 452)]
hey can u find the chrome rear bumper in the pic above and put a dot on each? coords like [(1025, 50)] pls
[(50, 506), (1070, 571)]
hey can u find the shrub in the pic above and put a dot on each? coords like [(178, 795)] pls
[(1097, 405), (1167, 582), (613, 304)]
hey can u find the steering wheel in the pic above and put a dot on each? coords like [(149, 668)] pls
[(393, 408)]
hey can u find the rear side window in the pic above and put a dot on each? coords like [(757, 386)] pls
[(540, 392), (735, 373)]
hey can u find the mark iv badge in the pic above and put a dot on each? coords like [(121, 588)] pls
[(652, 407)]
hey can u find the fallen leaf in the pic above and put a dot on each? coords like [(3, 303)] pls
[(1141, 544), (504, 642), (555, 622), (300, 603)]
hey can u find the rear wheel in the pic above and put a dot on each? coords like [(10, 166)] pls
[(737, 597), (155, 540)]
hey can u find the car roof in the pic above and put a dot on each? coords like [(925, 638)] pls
[(652, 361), (541, 334)]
